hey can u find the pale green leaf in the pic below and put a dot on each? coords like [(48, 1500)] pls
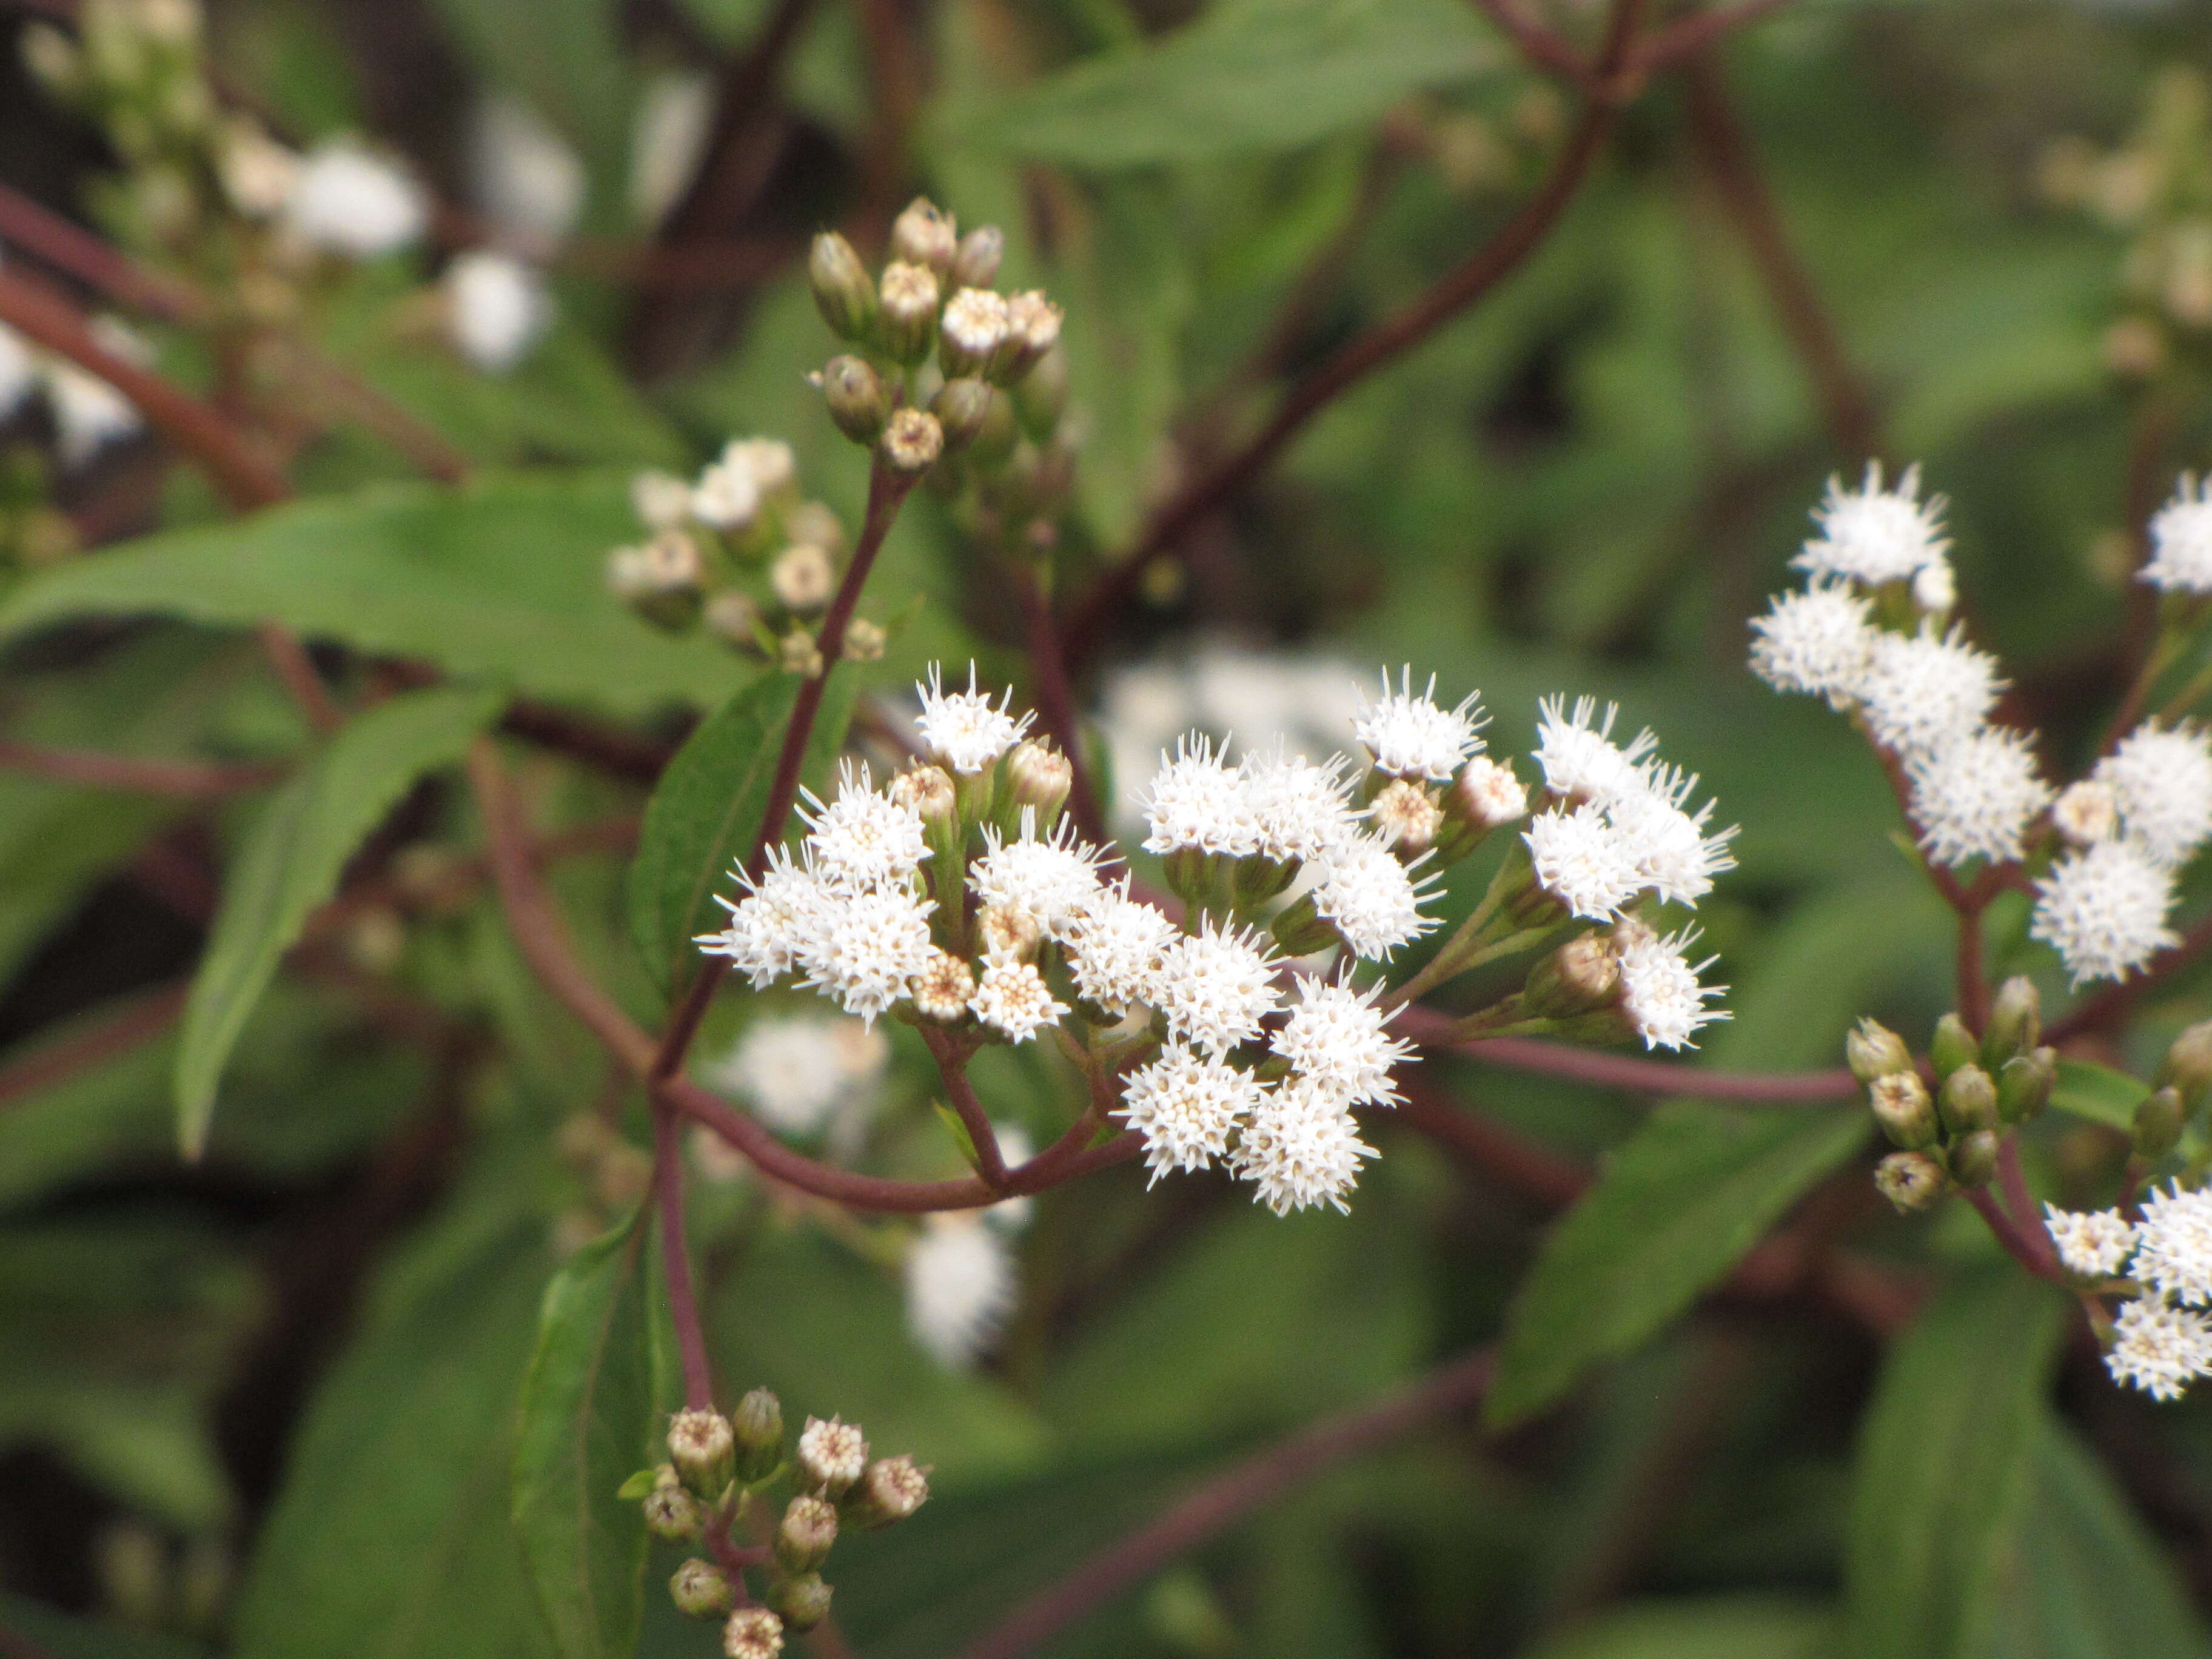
[(1705, 1627), (2097, 1093)]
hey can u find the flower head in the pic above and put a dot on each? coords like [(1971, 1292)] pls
[(2104, 910), (959, 1285), (347, 200), (796, 1069), (1372, 900), (1048, 879), (1580, 762), (1410, 735), (2161, 785), (1874, 535), (2181, 542), (2159, 1348), (1116, 948), (1300, 1149), (1922, 688), (1820, 642), (1660, 991), (497, 308), (1973, 794), (864, 838), (1012, 998), (1199, 801), (1336, 1037), (2092, 1243), (766, 926), (2174, 1245), (1186, 1106), (864, 947), (1582, 861), (1298, 808), (1674, 856), (965, 731), (1215, 985)]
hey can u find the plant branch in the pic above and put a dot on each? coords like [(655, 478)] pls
[(2016, 1243), (676, 1260), (1687, 37), (952, 1066), (1543, 47), (48, 1063), (95, 769)]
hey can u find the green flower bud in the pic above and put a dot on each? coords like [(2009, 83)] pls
[(1038, 776), (1041, 395), (842, 292), (804, 1602), (1974, 1158), (2025, 1083), (1911, 1180), (1580, 977), (2158, 1123), (1902, 1106), (700, 1589), (906, 316), (2188, 1063), (859, 401), (1968, 1100), (672, 1513), (1872, 1050), (703, 1451), (803, 1538), (1953, 1046), (2015, 1022), (756, 1426), (963, 409)]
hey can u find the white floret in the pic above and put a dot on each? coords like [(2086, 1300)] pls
[(1186, 1106), (1300, 1149), (1674, 857), (1337, 1036), (796, 1070), (1925, 689), (1214, 987), (2159, 1348), (2161, 785), (771, 922), (2104, 910), (1660, 991), (1299, 809), (865, 946), (1580, 760), (1198, 802), (863, 838), (1012, 998), (1874, 535), (2181, 542), (959, 1286), (1820, 642), (1582, 861), (966, 730), (1048, 880), (350, 201), (2174, 1245), (496, 308), (1974, 795), (1372, 900), (1116, 948), (1410, 735), (2091, 1243)]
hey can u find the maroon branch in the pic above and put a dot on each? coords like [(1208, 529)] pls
[(55, 1063), (93, 769)]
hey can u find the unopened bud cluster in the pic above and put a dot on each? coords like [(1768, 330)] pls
[(719, 1470), (740, 552)]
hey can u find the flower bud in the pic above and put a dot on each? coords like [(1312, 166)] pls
[(893, 1489), (1872, 1050), (704, 1451), (865, 640), (53, 59), (912, 441), (2158, 1124), (813, 523), (1032, 330), (906, 318), (1041, 395), (700, 1589), (2188, 1064), (1038, 776), (926, 791), (842, 292), (1580, 977), (807, 1530), (1952, 1047), (1484, 797), (733, 616), (971, 332), (661, 500), (797, 653), (1007, 935), (756, 1426), (2024, 1086), (976, 263), (804, 1602), (1974, 1158), (943, 990), (1406, 817), (2087, 812), (671, 1513), (925, 235), (1968, 1101), (858, 399), (803, 578), (2015, 1022), (831, 1456), (752, 1633), (1901, 1105), (1911, 1180), (963, 407)]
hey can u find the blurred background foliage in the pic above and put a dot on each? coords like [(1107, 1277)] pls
[(263, 1404)]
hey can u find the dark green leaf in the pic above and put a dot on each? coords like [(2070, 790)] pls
[(503, 578), (291, 862), (1718, 1627), (2097, 1093), (1944, 1458), (1671, 1211), (57, 1636), (706, 811)]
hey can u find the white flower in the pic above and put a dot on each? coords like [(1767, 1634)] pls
[(1820, 642), (1371, 898), (1186, 1106), (959, 1286), (1936, 588), (1580, 760), (2104, 910), (975, 321), (1659, 988), (2093, 1244), (495, 308), (1114, 951), (1876, 536), (1299, 808), (1410, 736), (668, 134), (768, 925), (1012, 998), (19, 375), (1199, 801), (2174, 1245), (1299, 1149), (964, 730), (1049, 881), (88, 413), (258, 173), (1674, 857), (727, 496), (1336, 1037), (796, 1070), (522, 172), (2181, 542), (1215, 985), (2158, 1348), (833, 1454), (769, 462), (1489, 793), (1924, 688), (355, 203), (1973, 794), (1582, 861), (2087, 812), (2161, 785), (943, 990), (865, 946), (1034, 320), (661, 500), (864, 838)]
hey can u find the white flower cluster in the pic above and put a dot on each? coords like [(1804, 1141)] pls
[(797, 1071), (2162, 1336), (1866, 634), (87, 413)]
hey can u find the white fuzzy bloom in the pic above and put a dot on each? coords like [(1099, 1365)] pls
[(1974, 794), (2159, 1348), (1114, 950), (2092, 1243), (2174, 1245), (865, 946), (661, 500), (1371, 898), (1660, 991), (1874, 535), (2104, 910), (88, 413), (1300, 1149), (2087, 812), (795, 1070), (1580, 762), (769, 462), (495, 308), (975, 321), (1050, 881), (2181, 542), (727, 497), (522, 172), (1674, 857), (1922, 688), (864, 838), (1337, 1036), (1299, 808), (1936, 588), (353, 202), (834, 1454), (1411, 736), (258, 173), (1820, 642), (1199, 801), (1582, 861), (1489, 794), (768, 925), (18, 371), (1012, 998), (1215, 985), (2161, 785), (959, 1287), (965, 731), (1186, 1106)]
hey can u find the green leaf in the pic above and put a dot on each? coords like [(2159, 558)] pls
[(502, 578), (592, 1407), (1716, 1627), (1671, 1211), (1942, 1468), (57, 1636), (291, 862), (569, 64), (706, 811), (1250, 76), (2097, 1093)]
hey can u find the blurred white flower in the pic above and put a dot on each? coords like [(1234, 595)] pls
[(521, 173), (352, 202), (667, 137), (796, 1070), (959, 1286), (495, 308)]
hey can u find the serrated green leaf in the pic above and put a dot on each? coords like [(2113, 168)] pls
[(291, 862), (502, 579), (1671, 1211), (2097, 1093), (1942, 1468), (705, 813), (590, 1409)]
